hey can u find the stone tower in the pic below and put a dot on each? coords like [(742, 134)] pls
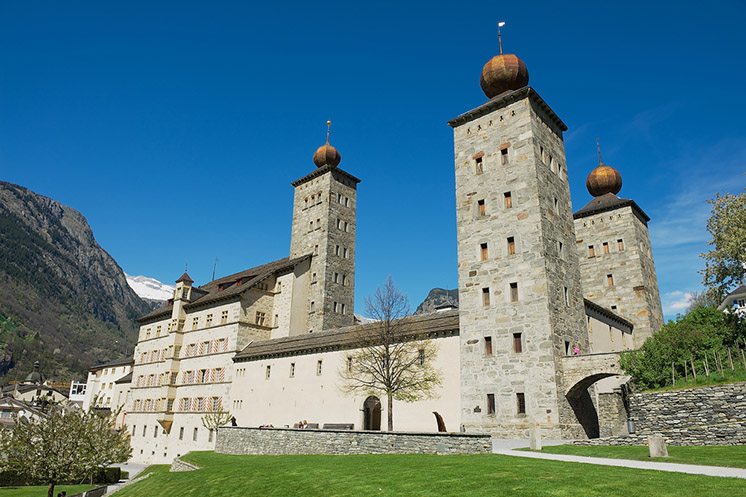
[(521, 303), (616, 261), (324, 224)]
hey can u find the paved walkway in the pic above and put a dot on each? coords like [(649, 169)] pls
[(134, 470), (628, 463)]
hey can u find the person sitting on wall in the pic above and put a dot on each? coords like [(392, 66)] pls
[(576, 349)]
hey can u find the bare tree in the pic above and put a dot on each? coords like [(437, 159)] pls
[(391, 361), (214, 420)]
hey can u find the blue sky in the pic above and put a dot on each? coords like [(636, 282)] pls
[(177, 127)]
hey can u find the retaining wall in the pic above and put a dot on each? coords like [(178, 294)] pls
[(714, 415), (239, 440)]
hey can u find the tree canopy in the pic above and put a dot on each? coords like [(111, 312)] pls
[(725, 263)]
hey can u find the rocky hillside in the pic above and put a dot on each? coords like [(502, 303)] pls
[(63, 300), (436, 298)]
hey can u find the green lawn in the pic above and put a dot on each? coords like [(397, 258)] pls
[(417, 475), (41, 491), (719, 455), (727, 376)]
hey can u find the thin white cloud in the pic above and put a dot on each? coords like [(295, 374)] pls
[(676, 302)]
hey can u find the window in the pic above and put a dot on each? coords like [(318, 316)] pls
[(605, 246), (208, 320), (334, 307), (133, 430), (344, 280), (613, 308), (479, 169), (487, 345), (349, 364), (517, 343), (313, 306), (620, 245), (209, 435), (560, 248), (336, 250), (344, 309), (567, 347), (292, 370), (542, 154), (556, 205), (481, 208), (315, 250), (144, 429), (508, 199), (345, 253), (609, 279), (421, 357), (195, 322), (319, 363), (194, 434), (514, 292), (314, 278), (181, 433), (504, 155), (223, 317), (490, 403), (511, 245), (591, 251), (268, 372), (336, 278), (521, 402), (567, 296), (485, 297), (483, 253), (339, 224), (261, 318), (155, 431)]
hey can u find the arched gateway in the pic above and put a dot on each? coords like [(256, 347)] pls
[(372, 413), (580, 373)]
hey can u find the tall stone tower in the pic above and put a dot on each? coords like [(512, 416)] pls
[(520, 299), (616, 260), (324, 224)]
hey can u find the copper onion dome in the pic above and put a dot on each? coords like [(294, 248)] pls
[(502, 73), (326, 155), (602, 180)]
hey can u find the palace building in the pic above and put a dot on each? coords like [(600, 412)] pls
[(543, 293)]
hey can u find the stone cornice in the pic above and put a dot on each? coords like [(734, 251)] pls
[(323, 170)]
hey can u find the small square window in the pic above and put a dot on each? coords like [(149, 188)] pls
[(508, 198), (487, 345), (483, 252), (514, 292), (511, 245), (521, 403), (605, 246), (517, 343), (490, 403), (485, 297), (481, 208), (479, 167)]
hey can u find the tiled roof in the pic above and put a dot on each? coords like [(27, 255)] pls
[(435, 324), (227, 287), (741, 290), (610, 202), (598, 310)]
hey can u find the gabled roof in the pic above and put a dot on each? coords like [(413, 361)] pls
[(732, 296), (228, 287), (610, 202), (125, 379), (420, 326)]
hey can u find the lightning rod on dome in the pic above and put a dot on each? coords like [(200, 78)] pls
[(500, 24), (328, 130), (598, 148)]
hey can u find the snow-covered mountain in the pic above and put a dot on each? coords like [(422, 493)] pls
[(150, 288)]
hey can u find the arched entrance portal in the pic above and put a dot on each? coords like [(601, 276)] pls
[(372, 413), (582, 404)]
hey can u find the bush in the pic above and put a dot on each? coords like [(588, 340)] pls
[(700, 333)]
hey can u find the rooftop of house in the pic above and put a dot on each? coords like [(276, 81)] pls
[(228, 287), (610, 202)]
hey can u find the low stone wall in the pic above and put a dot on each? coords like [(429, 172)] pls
[(238, 440), (713, 415)]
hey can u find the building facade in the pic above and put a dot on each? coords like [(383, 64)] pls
[(268, 344)]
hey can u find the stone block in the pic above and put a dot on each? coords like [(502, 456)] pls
[(534, 439), (657, 446)]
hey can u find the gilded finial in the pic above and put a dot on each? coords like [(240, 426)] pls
[(328, 130)]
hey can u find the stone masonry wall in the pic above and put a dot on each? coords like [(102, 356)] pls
[(285, 441), (699, 416)]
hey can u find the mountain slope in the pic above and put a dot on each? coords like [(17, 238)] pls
[(63, 300), (436, 298)]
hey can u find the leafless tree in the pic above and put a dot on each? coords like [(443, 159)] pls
[(390, 361)]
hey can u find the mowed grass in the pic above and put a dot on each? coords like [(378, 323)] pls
[(416, 475), (718, 455), (41, 490)]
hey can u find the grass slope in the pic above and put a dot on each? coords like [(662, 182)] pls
[(41, 490), (722, 455), (416, 475)]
